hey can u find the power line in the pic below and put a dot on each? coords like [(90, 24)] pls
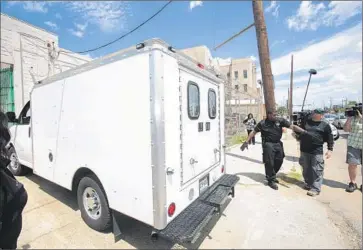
[(128, 33)]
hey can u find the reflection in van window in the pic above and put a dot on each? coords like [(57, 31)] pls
[(212, 104), (193, 100)]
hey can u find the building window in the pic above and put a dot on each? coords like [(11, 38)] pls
[(228, 75), (245, 74), (236, 74), (193, 101), (212, 104)]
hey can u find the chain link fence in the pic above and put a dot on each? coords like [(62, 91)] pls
[(240, 100)]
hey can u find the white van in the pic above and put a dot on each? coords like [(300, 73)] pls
[(140, 132)]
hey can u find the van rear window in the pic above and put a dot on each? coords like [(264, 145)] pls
[(212, 104), (193, 100)]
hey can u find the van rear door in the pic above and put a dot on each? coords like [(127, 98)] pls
[(201, 127)]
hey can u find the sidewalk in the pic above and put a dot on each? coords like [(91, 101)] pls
[(259, 217)]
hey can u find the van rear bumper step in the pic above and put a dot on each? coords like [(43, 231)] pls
[(186, 227)]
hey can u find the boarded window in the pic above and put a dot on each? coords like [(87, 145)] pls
[(193, 100), (212, 104)]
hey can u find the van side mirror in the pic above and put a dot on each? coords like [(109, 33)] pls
[(11, 117)]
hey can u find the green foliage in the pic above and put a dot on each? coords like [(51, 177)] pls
[(237, 139), (282, 110)]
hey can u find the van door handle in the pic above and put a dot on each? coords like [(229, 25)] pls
[(29, 131), (193, 161)]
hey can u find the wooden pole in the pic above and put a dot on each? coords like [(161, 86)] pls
[(264, 55), (291, 87)]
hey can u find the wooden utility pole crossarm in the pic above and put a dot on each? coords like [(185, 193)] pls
[(264, 55)]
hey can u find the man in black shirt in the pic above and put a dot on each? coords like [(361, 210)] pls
[(311, 147), (273, 151)]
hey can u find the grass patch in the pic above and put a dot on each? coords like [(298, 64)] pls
[(295, 175), (236, 139)]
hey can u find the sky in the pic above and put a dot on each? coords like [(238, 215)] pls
[(323, 35)]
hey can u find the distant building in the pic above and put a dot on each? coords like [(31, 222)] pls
[(242, 95), (28, 54)]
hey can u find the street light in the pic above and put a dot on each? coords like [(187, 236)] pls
[(311, 72)]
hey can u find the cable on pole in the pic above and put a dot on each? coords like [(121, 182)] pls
[(128, 33)]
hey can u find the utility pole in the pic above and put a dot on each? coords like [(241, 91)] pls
[(264, 55), (291, 87)]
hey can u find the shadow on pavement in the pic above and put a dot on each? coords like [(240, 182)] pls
[(334, 184), (245, 158), (133, 232), (59, 193), (257, 177), (291, 158), (291, 180)]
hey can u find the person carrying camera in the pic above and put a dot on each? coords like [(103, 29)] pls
[(353, 125), (273, 151), (311, 149)]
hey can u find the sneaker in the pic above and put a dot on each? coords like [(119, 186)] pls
[(312, 193), (273, 185), (351, 187), (307, 187)]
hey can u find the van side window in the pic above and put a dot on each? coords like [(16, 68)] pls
[(212, 104), (193, 100), (25, 115)]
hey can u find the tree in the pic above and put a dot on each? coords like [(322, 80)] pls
[(282, 110)]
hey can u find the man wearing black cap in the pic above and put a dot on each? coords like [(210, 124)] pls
[(311, 147), (273, 151)]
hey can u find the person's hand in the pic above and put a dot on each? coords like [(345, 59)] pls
[(359, 114), (328, 154), (244, 146)]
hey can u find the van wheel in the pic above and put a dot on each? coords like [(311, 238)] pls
[(93, 204), (14, 166)]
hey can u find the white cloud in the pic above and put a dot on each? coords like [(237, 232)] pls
[(277, 42), (107, 15), (32, 6), (81, 27), (273, 8), (339, 66), (77, 33), (80, 30), (54, 26), (253, 58), (193, 4), (311, 16)]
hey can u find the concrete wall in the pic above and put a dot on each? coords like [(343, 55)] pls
[(25, 47)]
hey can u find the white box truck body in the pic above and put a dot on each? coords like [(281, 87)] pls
[(140, 132)]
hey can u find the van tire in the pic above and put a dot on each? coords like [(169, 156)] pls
[(14, 166), (100, 218)]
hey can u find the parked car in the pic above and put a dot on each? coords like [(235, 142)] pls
[(334, 130), (339, 121), (329, 117)]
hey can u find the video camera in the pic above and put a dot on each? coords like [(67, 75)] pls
[(352, 111), (300, 118)]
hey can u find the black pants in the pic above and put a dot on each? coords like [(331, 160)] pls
[(273, 157), (11, 229), (253, 138)]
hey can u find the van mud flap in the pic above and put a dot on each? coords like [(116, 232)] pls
[(187, 226)]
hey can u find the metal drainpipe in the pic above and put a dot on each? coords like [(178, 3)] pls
[(22, 71)]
